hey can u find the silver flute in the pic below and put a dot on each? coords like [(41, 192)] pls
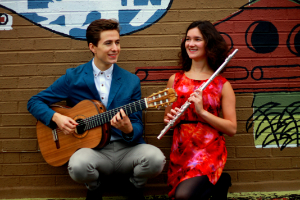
[(202, 87)]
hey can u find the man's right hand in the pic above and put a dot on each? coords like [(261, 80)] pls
[(66, 124)]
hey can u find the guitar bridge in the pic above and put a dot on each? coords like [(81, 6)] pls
[(55, 138)]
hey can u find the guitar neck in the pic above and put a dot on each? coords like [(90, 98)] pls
[(103, 118)]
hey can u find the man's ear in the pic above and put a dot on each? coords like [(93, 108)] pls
[(92, 47)]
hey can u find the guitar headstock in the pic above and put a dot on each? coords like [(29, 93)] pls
[(161, 98)]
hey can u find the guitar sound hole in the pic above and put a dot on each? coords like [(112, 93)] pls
[(80, 127)]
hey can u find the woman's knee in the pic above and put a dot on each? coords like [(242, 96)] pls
[(198, 187), (182, 196)]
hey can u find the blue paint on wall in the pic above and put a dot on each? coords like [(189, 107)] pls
[(140, 2), (127, 15), (37, 4), (78, 33), (70, 18), (145, 2), (124, 2), (91, 17), (34, 17), (155, 2), (61, 20)]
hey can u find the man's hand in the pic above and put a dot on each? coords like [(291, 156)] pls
[(64, 123), (122, 122)]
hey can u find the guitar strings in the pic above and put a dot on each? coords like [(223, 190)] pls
[(103, 118), (93, 121)]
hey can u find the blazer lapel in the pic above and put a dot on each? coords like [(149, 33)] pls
[(115, 84), (89, 79)]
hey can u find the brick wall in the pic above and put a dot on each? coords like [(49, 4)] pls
[(33, 57)]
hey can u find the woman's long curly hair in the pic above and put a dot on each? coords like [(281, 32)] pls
[(215, 46)]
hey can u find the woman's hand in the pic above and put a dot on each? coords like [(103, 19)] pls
[(171, 115), (196, 98), (227, 124)]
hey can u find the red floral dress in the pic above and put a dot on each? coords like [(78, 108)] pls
[(197, 149)]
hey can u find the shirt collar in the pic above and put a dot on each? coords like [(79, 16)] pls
[(97, 71)]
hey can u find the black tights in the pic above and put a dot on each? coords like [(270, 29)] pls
[(200, 188)]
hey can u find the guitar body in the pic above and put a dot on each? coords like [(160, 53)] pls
[(97, 137)]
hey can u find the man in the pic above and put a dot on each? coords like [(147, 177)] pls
[(126, 155)]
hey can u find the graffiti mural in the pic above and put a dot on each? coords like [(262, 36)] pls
[(71, 18), (5, 22), (276, 120), (267, 34), (271, 40)]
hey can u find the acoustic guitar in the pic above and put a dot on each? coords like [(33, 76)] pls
[(93, 126)]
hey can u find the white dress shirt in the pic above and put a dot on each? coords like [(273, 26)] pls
[(103, 82)]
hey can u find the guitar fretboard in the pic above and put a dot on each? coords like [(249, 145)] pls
[(102, 118)]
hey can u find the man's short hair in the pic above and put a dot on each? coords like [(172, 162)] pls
[(96, 27)]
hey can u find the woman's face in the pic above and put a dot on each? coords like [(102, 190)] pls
[(195, 44)]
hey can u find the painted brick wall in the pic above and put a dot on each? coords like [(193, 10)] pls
[(32, 58)]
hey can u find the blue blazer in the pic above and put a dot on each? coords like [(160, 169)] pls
[(78, 84)]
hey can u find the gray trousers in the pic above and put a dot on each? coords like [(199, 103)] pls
[(139, 162)]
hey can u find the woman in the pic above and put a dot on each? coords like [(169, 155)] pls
[(198, 153)]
